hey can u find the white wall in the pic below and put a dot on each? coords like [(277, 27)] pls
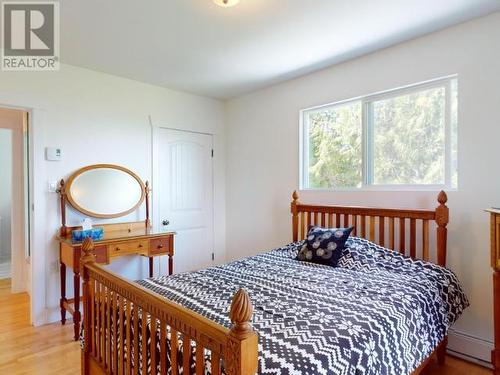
[(5, 192), (262, 153), (99, 118)]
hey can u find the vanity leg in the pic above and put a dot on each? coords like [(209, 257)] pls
[(150, 266), (62, 270), (76, 315), (170, 264)]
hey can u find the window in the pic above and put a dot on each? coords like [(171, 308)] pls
[(403, 138)]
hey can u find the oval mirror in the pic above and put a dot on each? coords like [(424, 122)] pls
[(105, 191)]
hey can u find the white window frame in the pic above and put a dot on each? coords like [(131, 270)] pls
[(367, 153)]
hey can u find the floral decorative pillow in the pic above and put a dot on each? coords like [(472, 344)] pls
[(324, 245)]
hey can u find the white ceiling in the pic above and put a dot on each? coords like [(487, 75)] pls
[(195, 46)]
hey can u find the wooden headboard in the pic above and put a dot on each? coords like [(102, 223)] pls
[(403, 230)]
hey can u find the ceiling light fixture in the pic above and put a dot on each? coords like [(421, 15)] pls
[(226, 3)]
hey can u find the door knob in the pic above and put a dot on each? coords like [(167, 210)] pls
[(165, 222)]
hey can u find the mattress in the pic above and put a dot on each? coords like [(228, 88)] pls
[(377, 312)]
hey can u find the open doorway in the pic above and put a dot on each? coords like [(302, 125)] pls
[(14, 218)]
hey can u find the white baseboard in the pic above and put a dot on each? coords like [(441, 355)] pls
[(473, 349)]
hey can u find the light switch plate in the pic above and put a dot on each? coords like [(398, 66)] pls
[(52, 186), (53, 154)]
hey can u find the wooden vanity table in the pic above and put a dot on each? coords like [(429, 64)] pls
[(120, 239)]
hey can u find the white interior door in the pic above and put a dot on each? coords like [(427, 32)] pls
[(185, 195)]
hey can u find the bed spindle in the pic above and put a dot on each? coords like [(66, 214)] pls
[(91, 291), (402, 235), (144, 335), (163, 347), (200, 360), (129, 337), (108, 312), (121, 333), (215, 362), (114, 335), (354, 224), (425, 240), (102, 304), (413, 238), (186, 353), (363, 226), (372, 228), (391, 233), (136, 340), (381, 230), (303, 225), (153, 325)]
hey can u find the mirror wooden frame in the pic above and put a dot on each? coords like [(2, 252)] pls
[(65, 194)]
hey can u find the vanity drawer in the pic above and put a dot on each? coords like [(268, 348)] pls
[(161, 245), (101, 254), (129, 247)]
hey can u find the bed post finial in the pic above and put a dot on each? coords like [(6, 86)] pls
[(442, 197), (295, 196), (241, 314), (442, 219), (242, 341)]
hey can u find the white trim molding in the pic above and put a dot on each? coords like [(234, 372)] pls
[(470, 348), (37, 236)]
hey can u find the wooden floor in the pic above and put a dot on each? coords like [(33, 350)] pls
[(51, 350)]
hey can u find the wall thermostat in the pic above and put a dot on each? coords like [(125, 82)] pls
[(52, 154)]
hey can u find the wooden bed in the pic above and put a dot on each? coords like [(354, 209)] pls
[(107, 294)]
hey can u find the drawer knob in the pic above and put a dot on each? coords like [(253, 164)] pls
[(160, 246), (140, 245), (117, 249)]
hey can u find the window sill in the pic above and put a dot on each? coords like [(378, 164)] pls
[(384, 188)]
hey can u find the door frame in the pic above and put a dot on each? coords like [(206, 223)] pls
[(39, 245), (155, 173)]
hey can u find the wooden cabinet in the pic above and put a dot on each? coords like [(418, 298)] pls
[(495, 265)]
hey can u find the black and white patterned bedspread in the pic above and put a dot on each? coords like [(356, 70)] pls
[(376, 313)]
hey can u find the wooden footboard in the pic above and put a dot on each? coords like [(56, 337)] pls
[(130, 330)]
